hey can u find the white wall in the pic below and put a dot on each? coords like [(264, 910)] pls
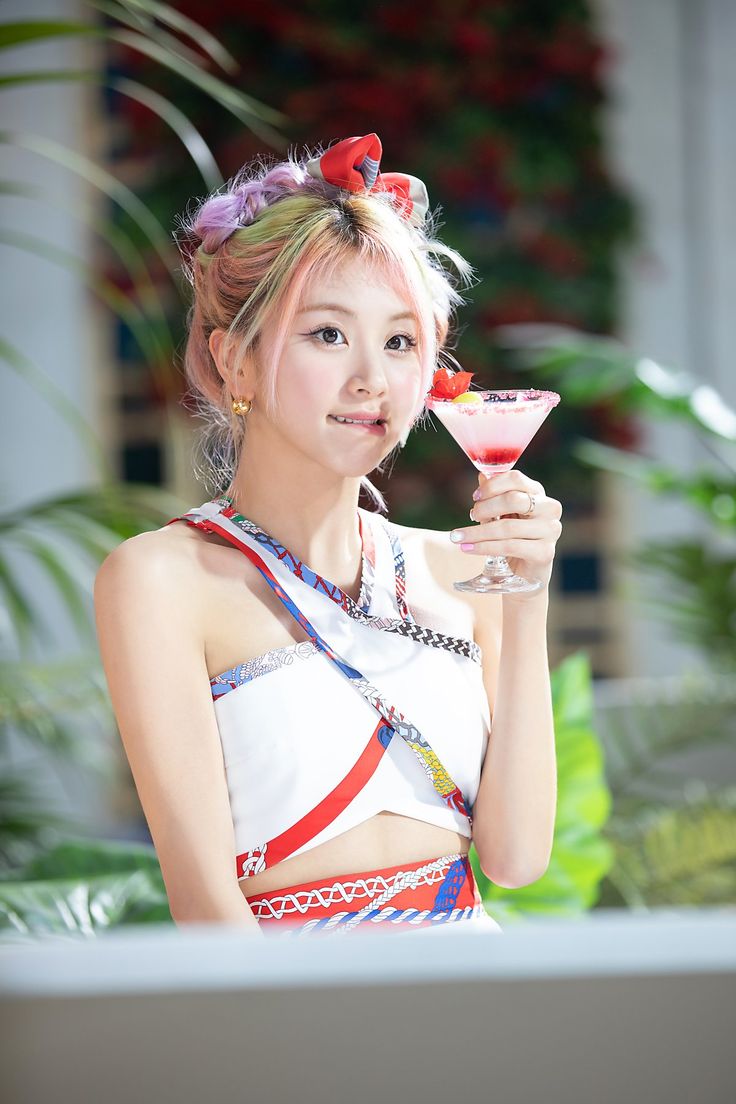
[(672, 142)]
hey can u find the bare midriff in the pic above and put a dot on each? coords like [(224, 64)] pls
[(386, 839)]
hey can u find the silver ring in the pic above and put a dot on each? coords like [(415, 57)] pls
[(532, 504)]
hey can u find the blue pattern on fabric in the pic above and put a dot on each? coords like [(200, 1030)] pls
[(449, 889)]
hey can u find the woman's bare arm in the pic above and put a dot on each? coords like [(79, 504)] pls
[(149, 631)]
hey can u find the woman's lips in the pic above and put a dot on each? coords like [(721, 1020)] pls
[(367, 427)]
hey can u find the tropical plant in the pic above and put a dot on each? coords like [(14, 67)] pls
[(82, 887), (57, 706), (673, 821)]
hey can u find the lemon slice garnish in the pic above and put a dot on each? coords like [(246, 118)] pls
[(468, 397)]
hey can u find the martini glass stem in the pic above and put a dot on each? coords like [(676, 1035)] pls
[(497, 568)]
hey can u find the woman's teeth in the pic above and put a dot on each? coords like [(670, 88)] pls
[(353, 421)]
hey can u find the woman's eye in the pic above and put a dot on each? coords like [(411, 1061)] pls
[(410, 342), (327, 330)]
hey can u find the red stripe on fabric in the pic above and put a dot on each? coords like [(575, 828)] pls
[(328, 809), (212, 527)]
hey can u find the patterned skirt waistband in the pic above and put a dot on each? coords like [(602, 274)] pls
[(393, 898)]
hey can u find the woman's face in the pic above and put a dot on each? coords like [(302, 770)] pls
[(351, 352)]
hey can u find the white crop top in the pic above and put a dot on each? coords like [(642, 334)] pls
[(372, 713)]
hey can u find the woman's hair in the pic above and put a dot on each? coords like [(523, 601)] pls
[(250, 253)]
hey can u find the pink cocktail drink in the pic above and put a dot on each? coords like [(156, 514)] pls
[(494, 432), (493, 428)]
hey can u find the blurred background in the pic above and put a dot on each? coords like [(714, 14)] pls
[(584, 157)]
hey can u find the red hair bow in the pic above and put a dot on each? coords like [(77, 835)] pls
[(354, 164)]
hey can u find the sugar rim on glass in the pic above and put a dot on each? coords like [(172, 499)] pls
[(540, 398)]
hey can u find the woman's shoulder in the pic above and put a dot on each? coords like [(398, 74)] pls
[(175, 544), (171, 557)]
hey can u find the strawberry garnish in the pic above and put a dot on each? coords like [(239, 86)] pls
[(448, 385)]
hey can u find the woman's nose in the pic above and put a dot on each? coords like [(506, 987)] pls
[(370, 370)]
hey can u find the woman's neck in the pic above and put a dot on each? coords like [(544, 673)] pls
[(320, 528)]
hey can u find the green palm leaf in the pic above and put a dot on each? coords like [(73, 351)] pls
[(651, 723), (188, 134), (144, 291), (104, 182), (61, 565), (246, 109), (121, 304), (82, 887), (678, 856), (44, 700), (143, 22), (81, 907), (591, 368), (25, 820), (55, 531), (27, 32), (44, 385), (169, 53), (206, 42)]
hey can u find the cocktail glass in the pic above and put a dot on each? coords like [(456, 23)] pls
[(493, 434)]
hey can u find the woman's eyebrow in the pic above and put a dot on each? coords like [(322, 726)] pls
[(350, 314)]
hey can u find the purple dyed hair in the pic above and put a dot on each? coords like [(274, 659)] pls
[(242, 202)]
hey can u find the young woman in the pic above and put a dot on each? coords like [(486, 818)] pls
[(304, 699)]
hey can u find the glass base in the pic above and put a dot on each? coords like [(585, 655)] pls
[(497, 578)]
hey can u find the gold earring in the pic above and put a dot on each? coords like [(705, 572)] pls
[(241, 406)]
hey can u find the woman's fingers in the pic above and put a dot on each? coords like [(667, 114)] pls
[(527, 551), (515, 504), (511, 529)]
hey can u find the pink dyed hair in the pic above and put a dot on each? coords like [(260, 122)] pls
[(250, 253)]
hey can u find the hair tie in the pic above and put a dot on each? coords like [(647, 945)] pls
[(353, 164)]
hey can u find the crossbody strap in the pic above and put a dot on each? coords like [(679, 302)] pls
[(437, 774)]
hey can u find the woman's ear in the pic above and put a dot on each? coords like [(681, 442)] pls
[(237, 377), (216, 345)]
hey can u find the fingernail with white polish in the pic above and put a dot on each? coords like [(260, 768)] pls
[(457, 535)]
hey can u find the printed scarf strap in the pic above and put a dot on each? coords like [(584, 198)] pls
[(434, 639), (437, 774), (399, 569)]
